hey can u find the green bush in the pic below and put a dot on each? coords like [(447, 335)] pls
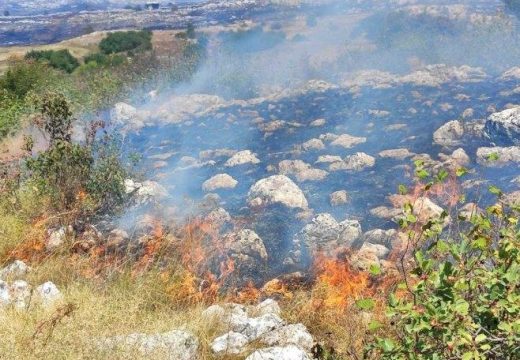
[(126, 41), (58, 59), (461, 300), (105, 60), (69, 172), (22, 77), (11, 109)]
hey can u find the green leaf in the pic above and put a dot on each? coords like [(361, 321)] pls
[(374, 325), (493, 157), (461, 307), (467, 356), (375, 269), (480, 337), (461, 172), (387, 345), (494, 190), (365, 304)]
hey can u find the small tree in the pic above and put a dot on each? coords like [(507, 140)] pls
[(460, 299)]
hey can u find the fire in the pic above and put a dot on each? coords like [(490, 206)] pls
[(337, 285)]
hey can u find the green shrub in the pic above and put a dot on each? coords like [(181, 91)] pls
[(11, 109), (125, 41), (58, 59), (22, 77), (68, 172), (105, 60), (461, 299)]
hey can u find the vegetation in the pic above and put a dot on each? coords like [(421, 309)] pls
[(58, 59), (121, 41), (460, 299)]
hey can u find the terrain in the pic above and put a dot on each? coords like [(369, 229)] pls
[(273, 180)]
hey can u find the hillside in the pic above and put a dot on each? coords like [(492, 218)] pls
[(278, 181)]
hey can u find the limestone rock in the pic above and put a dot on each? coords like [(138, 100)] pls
[(176, 344), (338, 198), (498, 156), (347, 141), (247, 250), (399, 154), (357, 162), (268, 306), (232, 343), (290, 352), (219, 181), (15, 270), (241, 158), (277, 189), (503, 127), (20, 294), (47, 294), (449, 134), (5, 295), (293, 334), (324, 233)]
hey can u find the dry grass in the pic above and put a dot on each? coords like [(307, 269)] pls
[(164, 42)]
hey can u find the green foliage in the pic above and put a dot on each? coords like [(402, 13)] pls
[(68, 172), (105, 60), (126, 41), (58, 59), (57, 117), (22, 77), (61, 172), (11, 109), (462, 297)]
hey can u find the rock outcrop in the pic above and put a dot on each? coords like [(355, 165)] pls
[(503, 128), (277, 189)]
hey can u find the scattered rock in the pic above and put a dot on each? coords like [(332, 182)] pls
[(338, 198), (293, 334), (232, 343), (246, 248), (325, 234), (277, 189), (219, 181), (268, 306), (348, 141), (498, 156), (503, 127), (325, 159), (15, 270), (241, 158), (302, 170), (47, 294), (380, 237), (357, 162), (290, 352), (56, 239), (5, 294), (313, 144), (176, 344), (399, 154), (318, 123), (449, 134), (20, 294), (218, 217)]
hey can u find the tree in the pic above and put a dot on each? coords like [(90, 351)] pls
[(58, 59), (461, 299)]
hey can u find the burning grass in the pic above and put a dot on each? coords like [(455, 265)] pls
[(166, 281)]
